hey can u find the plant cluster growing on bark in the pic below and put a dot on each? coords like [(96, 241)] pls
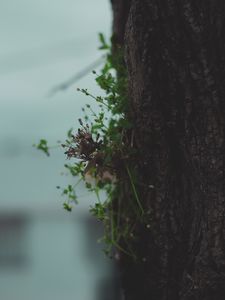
[(102, 157)]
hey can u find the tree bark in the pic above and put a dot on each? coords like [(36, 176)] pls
[(175, 57)]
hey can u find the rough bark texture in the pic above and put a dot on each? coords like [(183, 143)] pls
[(175, 55)]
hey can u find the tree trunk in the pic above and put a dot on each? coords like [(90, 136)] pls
[(175, 57)]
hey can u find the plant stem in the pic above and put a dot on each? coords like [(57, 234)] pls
[(134, 190)]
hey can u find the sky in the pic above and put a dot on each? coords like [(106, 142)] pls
[(43, 43)]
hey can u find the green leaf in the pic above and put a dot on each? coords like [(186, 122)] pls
[(88, 185), (67, 207), (43, 146), (103, 44), (98, 211), (69, 133)]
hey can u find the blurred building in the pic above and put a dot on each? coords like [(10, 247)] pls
[(51, 256)]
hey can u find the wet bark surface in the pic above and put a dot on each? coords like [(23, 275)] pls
[(175, 55)]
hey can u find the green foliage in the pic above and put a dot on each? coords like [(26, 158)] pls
[(43, 146), (101, 154), (67, 207), (99, 211), (104, 45)]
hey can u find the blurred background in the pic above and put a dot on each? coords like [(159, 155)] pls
[(45, 252)]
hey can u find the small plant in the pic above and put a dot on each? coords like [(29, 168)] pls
[(101, 152), (43, 146)]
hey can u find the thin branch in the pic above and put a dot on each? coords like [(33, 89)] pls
[(80, 74)]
